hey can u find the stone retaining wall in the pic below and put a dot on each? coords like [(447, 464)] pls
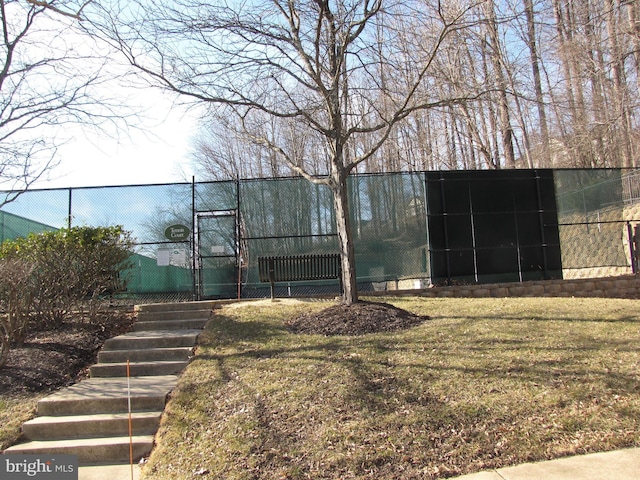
[(627, 286)]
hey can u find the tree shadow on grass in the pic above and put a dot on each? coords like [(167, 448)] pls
[(488, 357), (440, 396)]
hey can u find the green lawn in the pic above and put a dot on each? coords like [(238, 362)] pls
[(484, 383)]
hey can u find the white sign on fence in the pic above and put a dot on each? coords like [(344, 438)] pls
[(178, 257)]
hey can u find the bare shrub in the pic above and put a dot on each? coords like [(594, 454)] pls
[(16, 303)]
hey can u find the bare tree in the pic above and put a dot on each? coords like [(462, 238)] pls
[(49, 78), (313, 64), (494, 51), (532, 45)]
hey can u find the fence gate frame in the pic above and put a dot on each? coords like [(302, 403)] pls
[(199, 253)]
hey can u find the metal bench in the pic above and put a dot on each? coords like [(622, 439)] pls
[(298, 268)]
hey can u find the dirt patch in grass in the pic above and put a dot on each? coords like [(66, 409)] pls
[(357, 319)]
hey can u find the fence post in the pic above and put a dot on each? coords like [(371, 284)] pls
[(636, 249), (70, 207), (194, 260), (633, 247), (238, 240)]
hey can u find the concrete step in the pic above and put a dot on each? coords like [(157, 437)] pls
[(173, 315), (183, 324), (91, 426), (138, 369), (145, 355), (153, 339), (89, 450), (176, 306), (109, 395)]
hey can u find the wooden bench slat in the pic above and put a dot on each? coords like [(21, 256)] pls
[(293, 268)]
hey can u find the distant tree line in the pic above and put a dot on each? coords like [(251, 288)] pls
[(547, 83)]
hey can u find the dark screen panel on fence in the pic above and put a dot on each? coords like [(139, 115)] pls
[(492, 226)]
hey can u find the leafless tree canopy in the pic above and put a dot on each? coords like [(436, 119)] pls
[(50, 76), (564, 89)]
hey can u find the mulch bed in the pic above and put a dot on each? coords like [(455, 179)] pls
[(357, 319), (59, 357)]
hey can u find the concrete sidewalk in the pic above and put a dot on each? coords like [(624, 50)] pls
[(109, 472), (616, 465)]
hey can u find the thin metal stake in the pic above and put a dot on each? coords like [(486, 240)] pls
[(130, 422)]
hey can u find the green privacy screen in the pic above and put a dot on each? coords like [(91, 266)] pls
[(410, 230), (14, 226), (294, 216)]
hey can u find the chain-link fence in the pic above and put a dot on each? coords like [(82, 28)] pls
[(411, 230), (598, 211)]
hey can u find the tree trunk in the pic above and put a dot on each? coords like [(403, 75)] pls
[(492, 127), (566, 28), (345, 239), (537, 82), (498, 63), (634, 30), (619, 84), (597, 67)]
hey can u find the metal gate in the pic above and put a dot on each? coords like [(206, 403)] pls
[(217, 252)]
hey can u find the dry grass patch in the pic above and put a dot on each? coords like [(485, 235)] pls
[(485, 383), (14, 411)]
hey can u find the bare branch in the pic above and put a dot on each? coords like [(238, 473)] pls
[(49, 6), (50, 77)]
